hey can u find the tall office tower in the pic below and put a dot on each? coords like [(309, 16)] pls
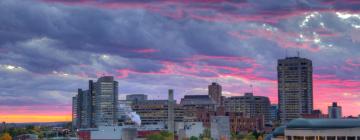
[(83, 109), (106, 101), (136, 97), (74, 113), (295, 87), (334, 111), (251, 106), (92, 93), (171, 113), (215, 92)]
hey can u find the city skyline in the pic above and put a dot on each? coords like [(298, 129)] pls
[(50, 48)]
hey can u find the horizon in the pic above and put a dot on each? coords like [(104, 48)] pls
[(50, 48)]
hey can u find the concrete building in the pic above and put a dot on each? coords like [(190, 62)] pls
[(220, 128), (193, 103), (185, 130), (136, 97), (124, 107), (129, 134), (156, 111), (215, 92), (159, 111), (238, 122), (334, 111), (106, 101), (249, 105), (295, 87)]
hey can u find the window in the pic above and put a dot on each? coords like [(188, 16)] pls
[(309, 138), (288, 138), (341, 138), (298, 138), (331, 138), (321, 138), (350, 138)]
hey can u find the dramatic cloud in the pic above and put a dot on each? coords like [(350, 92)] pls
[(49, 48)]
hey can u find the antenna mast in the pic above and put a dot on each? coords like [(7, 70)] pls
[(252, 88)]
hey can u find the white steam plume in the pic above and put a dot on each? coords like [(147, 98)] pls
[(130, 113)]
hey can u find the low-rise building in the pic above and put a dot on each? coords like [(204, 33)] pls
[(136, 97), (220, 127), (250, 105), (315, 114), (238, 122), (319, 129), (191, 104), (156, 111), (189, 129)]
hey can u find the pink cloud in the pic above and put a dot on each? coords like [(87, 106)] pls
[(283, 39), (199, 66), (353, 62), (149, 50), (328, 88)]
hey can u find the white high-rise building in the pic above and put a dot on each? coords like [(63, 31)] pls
[(106, 101)]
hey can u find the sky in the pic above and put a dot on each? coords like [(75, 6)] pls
[(50, 48)]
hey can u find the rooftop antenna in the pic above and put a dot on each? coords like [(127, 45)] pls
[(298, 53), (252, 88), (286, 53)]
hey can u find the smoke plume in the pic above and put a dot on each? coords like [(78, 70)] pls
[(130, 113)]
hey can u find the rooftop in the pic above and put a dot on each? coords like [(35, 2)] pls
[(323, 123), (196, 99)]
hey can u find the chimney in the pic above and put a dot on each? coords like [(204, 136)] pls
[(171, 116)]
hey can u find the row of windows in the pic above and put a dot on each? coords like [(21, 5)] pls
[(322, 138)]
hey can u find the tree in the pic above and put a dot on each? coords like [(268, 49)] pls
[(207, 133), (250, 136), (155, 137), (164, 135), (193, 138), (5, 136)]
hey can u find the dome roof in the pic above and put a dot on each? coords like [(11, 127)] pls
[(323, 123), (280, 131)]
